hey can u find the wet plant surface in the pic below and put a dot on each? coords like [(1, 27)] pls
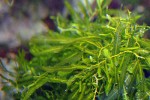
[(105, 58)]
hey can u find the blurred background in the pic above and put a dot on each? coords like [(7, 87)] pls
[(22, 19)]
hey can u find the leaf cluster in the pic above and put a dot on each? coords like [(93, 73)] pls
[(88, 60)]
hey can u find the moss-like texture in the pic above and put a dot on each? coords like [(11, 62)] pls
[(99, 59)]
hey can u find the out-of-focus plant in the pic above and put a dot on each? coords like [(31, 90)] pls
[(9, 2), (103, 58)]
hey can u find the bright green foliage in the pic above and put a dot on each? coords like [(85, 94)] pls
[(103, 59)]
